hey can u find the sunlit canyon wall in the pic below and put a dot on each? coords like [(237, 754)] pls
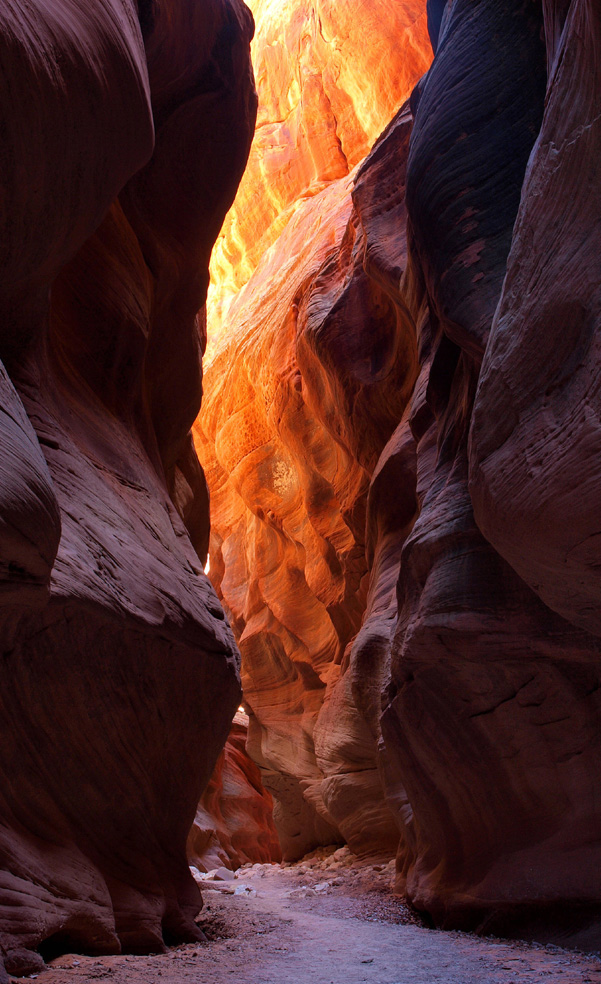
[(314, 361), (401, 437), (126, 131)]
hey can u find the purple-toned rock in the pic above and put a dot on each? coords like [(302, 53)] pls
[(119, 674), (535, 440), (494, 703)]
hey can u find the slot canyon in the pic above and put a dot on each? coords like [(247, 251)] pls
[(300, 445)]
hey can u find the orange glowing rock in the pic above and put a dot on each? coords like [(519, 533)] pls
[(310, 363), (330, 76), (233, 824)]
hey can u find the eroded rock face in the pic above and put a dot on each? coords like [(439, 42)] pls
[(302, 393), (474, 588), (541, 366), (234, 823), (330, 77), (494, 698), (119, 673)]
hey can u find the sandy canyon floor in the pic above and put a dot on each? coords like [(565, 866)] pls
[(327, 920)]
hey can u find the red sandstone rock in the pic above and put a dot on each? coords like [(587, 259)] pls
[(330, 76), (536, 460), (489, 750), (233, 824), (117, 690), (301, 395), (29, 516), (490, 730), (489, 754), (254, 429), (61, 100)]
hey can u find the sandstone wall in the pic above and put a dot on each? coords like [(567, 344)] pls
[(234, 823), (400, 438), (330, 76), (119, 674), (304, 386), (493, 708)]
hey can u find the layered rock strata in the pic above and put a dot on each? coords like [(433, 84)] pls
[(303, 390), (234, 825), (119, 676), (330, 77), (492, 724), (434, 550)]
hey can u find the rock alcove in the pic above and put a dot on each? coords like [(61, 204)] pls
[(399, 431)]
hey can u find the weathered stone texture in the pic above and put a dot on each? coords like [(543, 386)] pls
[(234, 824), (118, 675), (402, 438), (304, 386), (493, 715), (330, 77)]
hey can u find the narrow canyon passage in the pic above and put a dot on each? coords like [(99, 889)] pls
[(322, 922), (417, 684), (300, 459)]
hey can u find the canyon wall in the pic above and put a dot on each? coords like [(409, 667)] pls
[(300, 400), (233, 823), (126, 132), (493, 708), (400, 437), (330, 76)]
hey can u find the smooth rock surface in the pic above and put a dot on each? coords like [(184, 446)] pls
[(492, 713), (119, 674), (303, 391), (541, 371), (233, 824)]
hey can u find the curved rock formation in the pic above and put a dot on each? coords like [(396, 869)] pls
[(302, 393), (471, 605), (330, 77), (541, 367), (234, 824), (118, 666), (493, 710)]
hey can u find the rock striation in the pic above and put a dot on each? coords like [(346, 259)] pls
[(493, 705), (302, 392), (234, 824), (401, 440), (540, 369), (330, 76), (119, 674)]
